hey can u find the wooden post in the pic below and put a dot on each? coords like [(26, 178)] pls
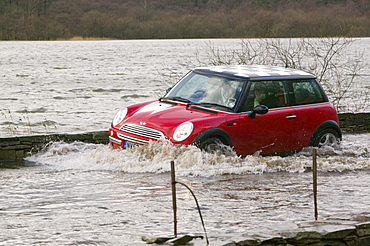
[(174, 204), (314, 172)]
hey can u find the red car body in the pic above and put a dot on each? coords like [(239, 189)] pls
[(289, 126)]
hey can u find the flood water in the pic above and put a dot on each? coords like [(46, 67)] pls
[(72, 194), (89, 194), (78, 86)]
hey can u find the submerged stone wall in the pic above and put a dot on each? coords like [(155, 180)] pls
[(355, 123), (16, 148), (357, 235)]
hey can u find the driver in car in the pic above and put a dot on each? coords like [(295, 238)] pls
[(222, 93)]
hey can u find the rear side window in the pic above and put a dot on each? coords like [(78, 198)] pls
[(306, 92)]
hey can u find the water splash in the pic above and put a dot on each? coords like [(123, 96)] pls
[(190, 161)]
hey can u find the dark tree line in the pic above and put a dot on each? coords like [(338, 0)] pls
[(152, 19)]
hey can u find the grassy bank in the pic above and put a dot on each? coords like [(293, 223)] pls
[(166, 19)]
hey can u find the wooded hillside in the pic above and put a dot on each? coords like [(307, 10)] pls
[(155, 19)]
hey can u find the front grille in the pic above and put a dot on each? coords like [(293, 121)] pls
[(132, 140), (142, 131)]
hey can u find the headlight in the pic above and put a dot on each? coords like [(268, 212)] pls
[(183, 131), (119, 116)]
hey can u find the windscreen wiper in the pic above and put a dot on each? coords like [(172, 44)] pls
[(180, 99), (212, 104), (189, 103)]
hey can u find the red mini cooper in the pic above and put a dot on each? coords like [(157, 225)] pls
[(256, 108)]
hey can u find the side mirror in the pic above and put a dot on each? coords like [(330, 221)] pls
[(168, 89), (260, 109)]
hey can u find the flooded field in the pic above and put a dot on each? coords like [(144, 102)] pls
[(78, 86), (89, 194)]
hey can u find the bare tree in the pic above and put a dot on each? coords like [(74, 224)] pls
[(337, 71)]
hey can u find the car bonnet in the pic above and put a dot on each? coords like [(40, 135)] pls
[(164, 115)]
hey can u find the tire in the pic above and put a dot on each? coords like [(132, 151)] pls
[(215, 146), (327, 137)]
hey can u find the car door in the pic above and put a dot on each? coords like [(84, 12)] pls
[(272, 132), (311, 108)]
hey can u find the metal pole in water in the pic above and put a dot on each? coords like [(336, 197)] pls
[(174, 204), (314, 172)]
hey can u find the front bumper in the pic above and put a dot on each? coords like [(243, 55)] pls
[(132, 135)]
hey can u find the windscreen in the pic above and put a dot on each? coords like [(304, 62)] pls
[(208, 89)]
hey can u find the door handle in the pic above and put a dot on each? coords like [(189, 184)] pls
[(291, 117)]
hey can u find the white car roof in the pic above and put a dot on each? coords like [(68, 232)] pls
[(256, 72)]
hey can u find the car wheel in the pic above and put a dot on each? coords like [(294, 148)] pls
[(215, 146), (327, 137)]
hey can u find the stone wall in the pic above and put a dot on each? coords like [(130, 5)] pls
[(355, 123), (357, 235), (16, 148)]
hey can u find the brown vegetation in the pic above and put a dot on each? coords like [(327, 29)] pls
[(153, 19)]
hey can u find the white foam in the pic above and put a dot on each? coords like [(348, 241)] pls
[(353, 154)]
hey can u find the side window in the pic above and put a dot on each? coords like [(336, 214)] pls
[(306, 92), (272, 94)]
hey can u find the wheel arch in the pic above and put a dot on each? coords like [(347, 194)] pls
[(213, 133), (330, 124)]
